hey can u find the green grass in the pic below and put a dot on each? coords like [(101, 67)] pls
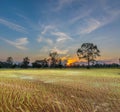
[(60, 90)]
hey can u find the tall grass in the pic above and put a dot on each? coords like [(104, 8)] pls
[(60, 90)]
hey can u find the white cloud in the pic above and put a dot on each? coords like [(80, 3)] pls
[(61, 36), (44, 49), (46, 40), (60, 51), (80, 16), (86, 19), (18, 43), (92, 24), (63, 3), (13, 26), (46, 29)]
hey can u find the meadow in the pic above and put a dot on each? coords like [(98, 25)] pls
[(59, 90)]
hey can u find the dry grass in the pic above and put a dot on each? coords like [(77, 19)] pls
[(96, 90)]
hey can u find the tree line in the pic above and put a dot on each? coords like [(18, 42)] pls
[(87, 51)]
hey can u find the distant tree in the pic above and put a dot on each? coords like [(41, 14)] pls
[(25, 62), (40, 63), (9, 60), (119, 61), (14, 65), (45, 64), (89, 52), (53, 55), (60, 63)]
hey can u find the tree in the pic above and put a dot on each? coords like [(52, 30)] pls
[(88, 51), (40, 63), (60, 63), (53, 55), (25, 62), (9, 60)]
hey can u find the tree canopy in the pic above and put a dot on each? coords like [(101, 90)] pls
[(53, 55), (89, 52)]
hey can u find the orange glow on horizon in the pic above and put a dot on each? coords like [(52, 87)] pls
[(71, 60), (74, 59)]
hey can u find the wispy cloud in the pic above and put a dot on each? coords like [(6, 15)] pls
[(84, 19), (44, 50), (59, 51), (47, 28), (63, 3), (80, 16), (53, 32), (91, 24), (13, 26), (61, 36), (18, 43), (46, 40)]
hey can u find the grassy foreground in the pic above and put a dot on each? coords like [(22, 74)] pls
[(69, 90)]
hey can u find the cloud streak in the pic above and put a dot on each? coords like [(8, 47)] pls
[(13, 26), (43, 39), (80, 16), (63, 3), (59, 51), (61, 36), (92, 24), (46, 29), (18, 43)]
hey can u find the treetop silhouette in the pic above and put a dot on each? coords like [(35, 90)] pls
[(89, 52)]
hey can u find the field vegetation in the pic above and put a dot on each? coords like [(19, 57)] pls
[(59, 90)]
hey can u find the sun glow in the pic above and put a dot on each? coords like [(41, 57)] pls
[(72, 60)]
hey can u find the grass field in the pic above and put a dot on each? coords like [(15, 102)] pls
[(69, 90)]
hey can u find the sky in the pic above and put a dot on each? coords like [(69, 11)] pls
[(35, 27)]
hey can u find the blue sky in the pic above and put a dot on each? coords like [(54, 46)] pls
[(35, 27)]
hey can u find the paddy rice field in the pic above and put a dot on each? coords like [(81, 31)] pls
[(59, 90)]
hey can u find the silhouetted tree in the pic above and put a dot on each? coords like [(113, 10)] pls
[(45, 64), (88, 51), (9, 62), (40, 63), (60, 63), (53, 55), (25, 62)]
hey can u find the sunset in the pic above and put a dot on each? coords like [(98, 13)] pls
[(59, 55), (35, 27)]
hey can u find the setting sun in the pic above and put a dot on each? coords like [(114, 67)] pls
[(72, 60)]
